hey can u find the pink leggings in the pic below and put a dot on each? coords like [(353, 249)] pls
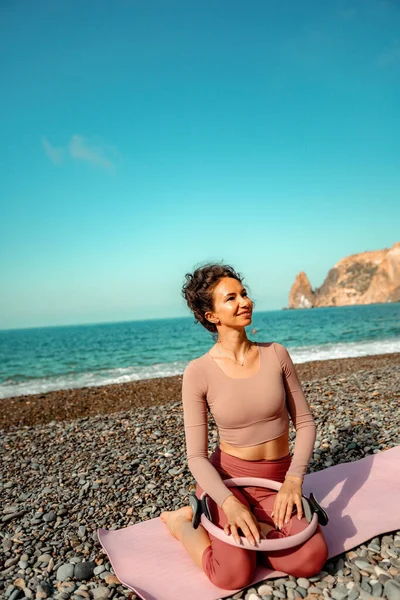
[(232, 567)]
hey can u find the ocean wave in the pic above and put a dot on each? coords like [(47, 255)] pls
[(96, 378), (344, 350), (300, 354)]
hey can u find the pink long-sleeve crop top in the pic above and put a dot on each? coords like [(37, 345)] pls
[(247, 411)]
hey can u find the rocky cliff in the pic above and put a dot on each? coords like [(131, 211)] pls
[(365, 278)]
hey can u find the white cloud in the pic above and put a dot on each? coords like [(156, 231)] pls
[(81, 149), (56, 155), (92, 152)]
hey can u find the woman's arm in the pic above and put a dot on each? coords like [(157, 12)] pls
[(196, 433), (301, 417)]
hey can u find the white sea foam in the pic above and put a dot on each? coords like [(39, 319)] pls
[(302, 354), (299, 354), (91, 379)]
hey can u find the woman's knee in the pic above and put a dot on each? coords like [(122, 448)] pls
[(234, 572), (313, 558)]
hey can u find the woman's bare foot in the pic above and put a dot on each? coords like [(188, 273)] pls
[(172, 518), (195, 541)]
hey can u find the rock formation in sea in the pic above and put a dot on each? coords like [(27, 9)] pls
[(366, 278)]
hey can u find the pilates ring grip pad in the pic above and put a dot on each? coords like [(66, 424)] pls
[(313, 512)]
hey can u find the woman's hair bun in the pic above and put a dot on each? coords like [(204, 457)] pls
[(199, 287)]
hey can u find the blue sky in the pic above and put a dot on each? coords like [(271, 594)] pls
[(143, 138)]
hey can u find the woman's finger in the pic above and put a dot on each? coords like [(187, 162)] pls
[(281, 514), (235, 534), (247, 532), (299, 508), (276, 506), (255, 530), (227, 530), (278, 509), (289, 510), (254, 527)]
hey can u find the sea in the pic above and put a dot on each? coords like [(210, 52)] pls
[(38, 360)]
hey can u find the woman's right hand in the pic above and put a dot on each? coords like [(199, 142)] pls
[(239, 515)]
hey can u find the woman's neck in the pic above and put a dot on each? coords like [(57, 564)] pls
[(235, 342)]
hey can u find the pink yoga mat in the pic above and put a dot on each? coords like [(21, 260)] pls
[(360, 497)]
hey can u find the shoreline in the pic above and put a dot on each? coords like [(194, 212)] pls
[(66, 405)]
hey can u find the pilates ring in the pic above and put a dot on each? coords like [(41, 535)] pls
[(313, 512)]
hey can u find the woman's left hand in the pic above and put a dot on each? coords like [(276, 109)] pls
[(288, 496)]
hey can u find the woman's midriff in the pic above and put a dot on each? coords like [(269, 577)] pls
[(271, 450)]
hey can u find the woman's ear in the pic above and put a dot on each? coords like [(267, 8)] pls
[(210, 317)]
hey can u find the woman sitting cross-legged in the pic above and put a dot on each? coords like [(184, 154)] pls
[(250, 389)]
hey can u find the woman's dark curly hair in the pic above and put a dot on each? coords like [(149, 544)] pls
[(199, 288)]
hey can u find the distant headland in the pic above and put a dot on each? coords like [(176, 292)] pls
[(366, 278)]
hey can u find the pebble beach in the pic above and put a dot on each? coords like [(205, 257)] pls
[(76, 460)]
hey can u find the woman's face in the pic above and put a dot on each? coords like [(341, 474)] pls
[(232, 306)]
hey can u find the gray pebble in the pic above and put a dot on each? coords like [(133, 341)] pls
[(392, 590), (84, 570), (7, 545), (15, 515), (11, 561), (44, 558), (9, 590), (355, 573), (377, 589), (264, 589), (43, 590), (362, 564), (314, 590), (82, 531), (50, 516), (280, 581), (366, 587), (65, 571), (364, 595), (7, 571), (383, 579), (318, 576), (100, 593), (290, 584), (374, 547), (339, 564), (339, 593)]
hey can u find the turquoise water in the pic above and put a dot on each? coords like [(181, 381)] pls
[(53, 358)]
